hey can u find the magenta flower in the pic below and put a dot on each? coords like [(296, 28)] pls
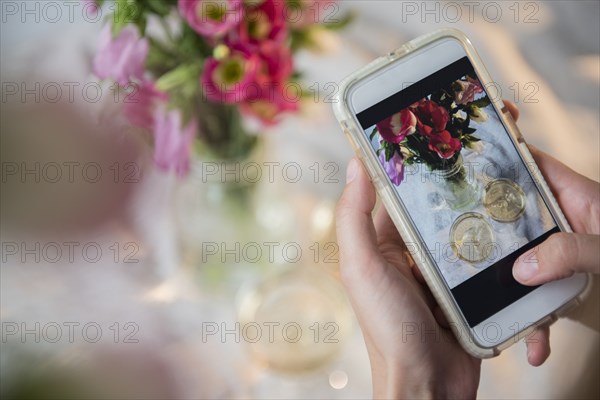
[(122, 58), (172, 143), (394, 167), (231, 79), (271, 94), (140, 106), (264, 22), (398, 126), (277, 64), (212, 18)]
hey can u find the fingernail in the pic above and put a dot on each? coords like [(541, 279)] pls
[(351, 170), (525, 268)]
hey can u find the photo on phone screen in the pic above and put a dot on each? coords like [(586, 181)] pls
[(463, 184)]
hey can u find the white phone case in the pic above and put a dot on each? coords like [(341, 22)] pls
[(362, 147)]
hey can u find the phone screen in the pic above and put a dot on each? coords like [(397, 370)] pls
[(461, 180)]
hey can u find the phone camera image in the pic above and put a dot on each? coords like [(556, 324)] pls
[(504, 200), (463, 183), (472, 237)]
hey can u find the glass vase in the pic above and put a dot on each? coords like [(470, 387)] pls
[(214, 206), (461, 191)]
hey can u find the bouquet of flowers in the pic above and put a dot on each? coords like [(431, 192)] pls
[(433, 130), (209, 62)]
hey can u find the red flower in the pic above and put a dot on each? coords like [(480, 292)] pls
[(431, 117), (444, 144), (396, 127), (416, 104)]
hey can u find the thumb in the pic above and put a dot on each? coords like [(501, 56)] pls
[(355, 230), (560, 256)]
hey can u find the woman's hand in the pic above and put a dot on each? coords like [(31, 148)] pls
[(413, 354), (412, 351)]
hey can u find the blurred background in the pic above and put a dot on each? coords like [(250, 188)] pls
[(120, 280)]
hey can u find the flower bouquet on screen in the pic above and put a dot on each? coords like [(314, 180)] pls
[(433, 132), (194, 71)]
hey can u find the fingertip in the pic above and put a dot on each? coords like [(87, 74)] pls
[(538, 346), (359, 194), (512, 109), (537, 354), (526, 267)]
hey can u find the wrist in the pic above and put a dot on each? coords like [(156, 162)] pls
[(393, 382), (419, 382)]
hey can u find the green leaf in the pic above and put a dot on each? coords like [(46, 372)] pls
[(160, 7), (126, 12), (389, 152), (161, 58), (372, 136), (482, 102), (192, 46), (185, 74)]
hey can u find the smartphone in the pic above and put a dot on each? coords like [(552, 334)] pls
[(457, 179)]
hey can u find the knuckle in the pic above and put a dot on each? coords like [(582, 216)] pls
[(562, 251)]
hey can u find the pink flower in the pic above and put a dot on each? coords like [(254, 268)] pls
[(231, 79), (172, 143), (91, 7), (212, 18), (139, 107), (444, 144), (265, 21), (122, 58), (395, 128), (394, 167), (466, 90), (475, 82)]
